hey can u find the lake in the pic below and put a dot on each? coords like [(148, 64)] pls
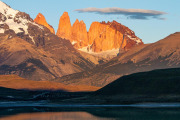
[(90, 113)]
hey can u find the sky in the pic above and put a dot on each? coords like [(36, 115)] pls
[(151, 20)]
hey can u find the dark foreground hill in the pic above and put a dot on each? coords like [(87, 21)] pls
[(157, 82), (154, 86)]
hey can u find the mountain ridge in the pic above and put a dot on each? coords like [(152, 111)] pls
[(159, 55)]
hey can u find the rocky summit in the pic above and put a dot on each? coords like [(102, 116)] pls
[(110, 36), (40, 19), (79, 36), (64, 29)]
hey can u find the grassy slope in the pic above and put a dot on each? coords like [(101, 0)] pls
[(16, 82)]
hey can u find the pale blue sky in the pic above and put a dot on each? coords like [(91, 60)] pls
[(149, 31)]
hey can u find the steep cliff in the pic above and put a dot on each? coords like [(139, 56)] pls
[(79, 36), (64, 29)]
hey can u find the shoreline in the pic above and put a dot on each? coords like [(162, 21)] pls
[(45, 104)]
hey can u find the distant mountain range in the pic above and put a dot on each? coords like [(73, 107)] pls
[(159, 55), (103, 39)]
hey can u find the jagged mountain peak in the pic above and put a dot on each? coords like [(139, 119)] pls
[(77, 21), (82, 21), (64, 29), (65, 14), (40, 19)]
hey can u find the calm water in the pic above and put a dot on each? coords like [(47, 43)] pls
[(93, 113)]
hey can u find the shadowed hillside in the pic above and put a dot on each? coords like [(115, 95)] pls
[(154, 86), (157, 82)]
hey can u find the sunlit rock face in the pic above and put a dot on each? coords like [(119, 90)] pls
[(102, 36), (79, 36), (64, 29), (111, 35), (40, 19)]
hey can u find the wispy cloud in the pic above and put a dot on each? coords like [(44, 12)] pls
[(129, 13)]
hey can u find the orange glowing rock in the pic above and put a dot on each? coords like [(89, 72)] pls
[(79, 34), (40, 19), (64, 29), (101, 36)]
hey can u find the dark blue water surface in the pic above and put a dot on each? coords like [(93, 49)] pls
[(68, 112)]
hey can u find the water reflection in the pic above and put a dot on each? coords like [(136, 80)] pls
[(89, 114), (53, 116)]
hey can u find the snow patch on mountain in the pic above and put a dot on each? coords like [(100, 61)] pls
[(32, 39), (74, 42), (1, 30), (113, 52), (7, 11), (135, 39), (108, 52), (15, 21), (17, 26), (41, 27), (10, 13), (87, 49)]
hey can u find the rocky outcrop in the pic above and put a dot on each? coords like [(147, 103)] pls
[(130, 39), (101, 36), (79, 36), (40, 19), (112, 35), (64, 29)]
